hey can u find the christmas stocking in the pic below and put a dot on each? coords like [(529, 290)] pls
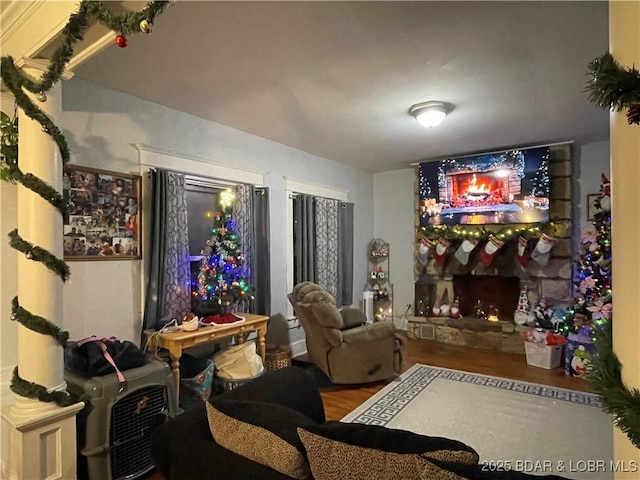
[(441, 250), (524, 252), (489, 250), (542, 252), (465, 249), (424, 250)]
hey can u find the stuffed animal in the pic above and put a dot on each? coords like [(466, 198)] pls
[(436, 311), (455, 309), (543, 314)]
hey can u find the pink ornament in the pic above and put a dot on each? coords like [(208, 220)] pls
[(600, 310)]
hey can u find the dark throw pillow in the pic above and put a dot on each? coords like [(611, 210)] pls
[(262, 432)]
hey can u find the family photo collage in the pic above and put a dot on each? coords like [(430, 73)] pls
[(103, 217)]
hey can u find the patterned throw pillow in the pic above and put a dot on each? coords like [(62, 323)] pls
[(391, 439), (390, 453), (262, 432), (335, 460)]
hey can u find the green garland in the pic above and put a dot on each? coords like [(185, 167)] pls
[(613, 86), (461, 232), (17, 82), (28, 389), (37, 186), (12, 173), (605, 378), (37, 324), (39, 254)]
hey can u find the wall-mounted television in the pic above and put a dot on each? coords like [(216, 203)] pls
[(511, 186)]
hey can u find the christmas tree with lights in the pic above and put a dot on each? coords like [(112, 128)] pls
[(540, 181), (222, 284), (592, 306)]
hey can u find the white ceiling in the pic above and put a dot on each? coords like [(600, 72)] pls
[(336, 79)]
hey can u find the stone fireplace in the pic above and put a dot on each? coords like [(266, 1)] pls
[(500, 283)]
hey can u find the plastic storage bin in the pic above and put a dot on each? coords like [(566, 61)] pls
[(543, 356)]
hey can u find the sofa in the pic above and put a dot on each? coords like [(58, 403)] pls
[(340, 342), (287, 402)]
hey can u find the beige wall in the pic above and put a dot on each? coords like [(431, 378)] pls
[(624, 31)]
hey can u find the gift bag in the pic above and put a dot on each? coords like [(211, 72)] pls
[(578, 354), (196, 377)]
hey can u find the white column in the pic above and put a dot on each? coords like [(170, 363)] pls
[(624, 36), (42, 435), (40, 357)]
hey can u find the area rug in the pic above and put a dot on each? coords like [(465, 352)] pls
[(518, 425)]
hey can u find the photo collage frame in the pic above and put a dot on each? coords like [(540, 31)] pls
[(103, 217)]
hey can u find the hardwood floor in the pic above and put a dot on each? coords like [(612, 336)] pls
[(338, 401)]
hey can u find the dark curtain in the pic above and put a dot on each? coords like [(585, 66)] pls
[(304, 243), (167, 292), (261, 254), (345, 254), (305, 246)]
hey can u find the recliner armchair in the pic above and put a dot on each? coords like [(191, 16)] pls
[(347, 354)]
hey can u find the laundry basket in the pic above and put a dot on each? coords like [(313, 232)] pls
[(237, 365), (231, 383), (543, 356)]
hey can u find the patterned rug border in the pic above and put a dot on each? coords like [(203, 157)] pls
[(398, 394)]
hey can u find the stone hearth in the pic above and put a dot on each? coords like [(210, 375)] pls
[(502, 336)]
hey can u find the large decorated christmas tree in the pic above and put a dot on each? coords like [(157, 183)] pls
[(613, 87), (222, 284), (592, 305)]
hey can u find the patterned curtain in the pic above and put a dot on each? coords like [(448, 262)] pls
[(326, 220), (251, 213), (168, 292)]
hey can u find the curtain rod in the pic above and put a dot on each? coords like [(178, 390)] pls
[(207, 182), (217, 184), (343, 203), (489, 153)]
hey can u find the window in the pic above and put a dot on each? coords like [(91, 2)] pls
[(169, 295), (202, 201), (317, 218)]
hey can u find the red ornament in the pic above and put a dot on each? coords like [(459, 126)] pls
[(121, 41)]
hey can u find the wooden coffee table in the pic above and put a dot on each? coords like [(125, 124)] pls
[(178, 340)]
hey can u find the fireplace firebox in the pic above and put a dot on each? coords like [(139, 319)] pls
[(492, 290)]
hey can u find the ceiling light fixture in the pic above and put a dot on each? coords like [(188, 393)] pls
[(430, 114)]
